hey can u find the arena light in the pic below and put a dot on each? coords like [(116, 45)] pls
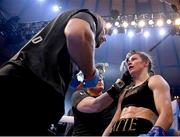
[(177, 21), (141, 23), (125, 24), (162, 32), (108, 25), (168, 21), (159, 22), (117, 23), (56, 8), (133, 23), (176, 97), (151, 22), (130, 33), (146, 34), (115, 31)]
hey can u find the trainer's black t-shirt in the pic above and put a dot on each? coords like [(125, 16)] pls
[(89, 124), (46, 54)]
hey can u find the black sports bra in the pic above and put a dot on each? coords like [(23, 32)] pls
[(140, 96)]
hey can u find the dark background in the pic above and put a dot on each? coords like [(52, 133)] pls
[(21, 19)]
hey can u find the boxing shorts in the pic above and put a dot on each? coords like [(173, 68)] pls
[(131, 127)]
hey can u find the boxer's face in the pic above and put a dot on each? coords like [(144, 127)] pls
[(136, 64)]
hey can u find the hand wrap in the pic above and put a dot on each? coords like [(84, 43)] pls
[(99, 74), (170, 132), (93, 81), (87, 83), (156, 131), (77, 79), (90, 82)]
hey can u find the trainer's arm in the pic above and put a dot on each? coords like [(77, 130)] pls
[(92, 105), (161, 93), (81, 45)]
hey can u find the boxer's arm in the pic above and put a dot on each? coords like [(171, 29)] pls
[(115, 118), (161, 93)]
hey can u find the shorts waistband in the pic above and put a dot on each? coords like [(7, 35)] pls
[(132, 125)]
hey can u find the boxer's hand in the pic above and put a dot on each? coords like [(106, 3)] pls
[(126, 78), (119, 85), (156, 131)]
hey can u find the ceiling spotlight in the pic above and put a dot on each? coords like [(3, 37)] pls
[(162, 32), (130, 33), (146, 34), (159, 22), (133, 23), (56, 8), (141, 23), (125, 24), (115, 31), (108, 25), (151, 22), (177, 21), (116, 23), (168, 21)]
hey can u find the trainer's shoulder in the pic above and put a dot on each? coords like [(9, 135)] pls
[(78, 96)]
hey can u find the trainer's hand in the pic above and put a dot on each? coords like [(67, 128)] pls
[(92, 81), (99, 74), (74, 83), (88, 81), (77, 79)]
